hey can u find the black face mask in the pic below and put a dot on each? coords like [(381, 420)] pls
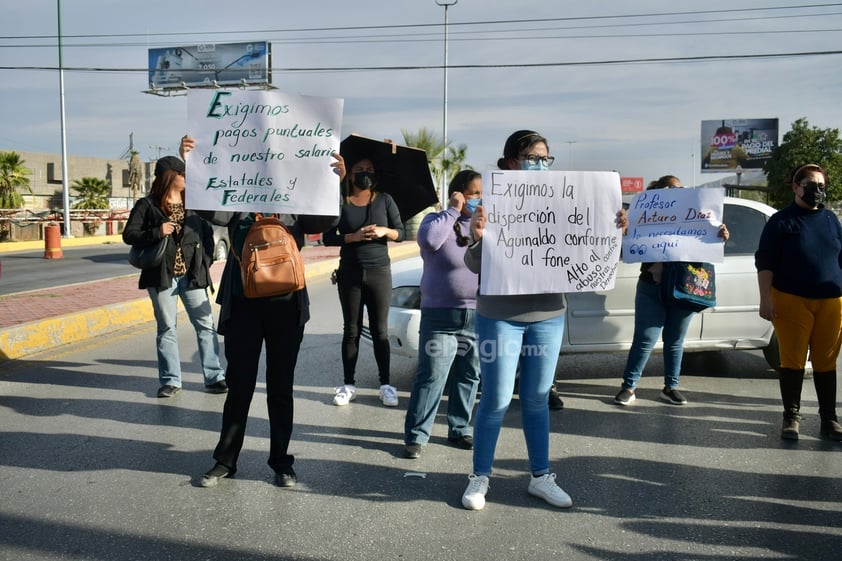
[(813, 195), (364, 180)]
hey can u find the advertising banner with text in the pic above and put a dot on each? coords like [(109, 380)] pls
[(730, 145), (549, 231), (210, 64), (261, 151)]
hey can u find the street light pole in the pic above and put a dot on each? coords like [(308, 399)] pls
[(443, 198), (570, 144), (64, 186)]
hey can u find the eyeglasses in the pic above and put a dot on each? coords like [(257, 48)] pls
[(812, 185), (461, 240), (532, 160)]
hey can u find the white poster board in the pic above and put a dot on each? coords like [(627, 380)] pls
[(549, 231), (263, 151), (675, 225)]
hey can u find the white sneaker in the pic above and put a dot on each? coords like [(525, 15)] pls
[(474, 496), (544, 486), (389, 395), (345, 394)]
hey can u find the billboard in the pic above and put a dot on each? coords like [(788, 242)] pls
[(731, 143), (202, 65)]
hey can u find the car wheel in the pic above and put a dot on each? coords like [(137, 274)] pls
[(772, 353), (220, 251)]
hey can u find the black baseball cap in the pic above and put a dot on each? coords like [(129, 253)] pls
[(168, 162)]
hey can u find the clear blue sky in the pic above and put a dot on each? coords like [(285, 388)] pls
[(589, 76)]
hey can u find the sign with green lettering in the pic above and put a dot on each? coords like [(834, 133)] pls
[(261, 151)]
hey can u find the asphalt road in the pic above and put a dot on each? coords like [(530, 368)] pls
[(93, 466), (28, 270)]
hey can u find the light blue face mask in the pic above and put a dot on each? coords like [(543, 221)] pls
[(472, 204), (540, 165)]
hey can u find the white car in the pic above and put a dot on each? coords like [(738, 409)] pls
[(604, 321)]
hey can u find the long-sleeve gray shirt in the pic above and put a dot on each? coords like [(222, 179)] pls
[(527, 308)]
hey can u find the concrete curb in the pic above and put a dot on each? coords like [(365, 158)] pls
[(38, 336)]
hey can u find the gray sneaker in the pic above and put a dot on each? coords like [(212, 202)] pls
[(168, 391), (412, 451), (673, 396), (625, 397)]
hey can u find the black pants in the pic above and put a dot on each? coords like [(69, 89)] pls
[(372, 289), (253, 322)]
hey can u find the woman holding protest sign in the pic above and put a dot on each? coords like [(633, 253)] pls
[(516, 331), (249, 325), (653, 317), (368, 219), (799, 272)]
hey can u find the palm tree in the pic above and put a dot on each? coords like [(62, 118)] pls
[(92, 194), (13, 176), (441, 158)]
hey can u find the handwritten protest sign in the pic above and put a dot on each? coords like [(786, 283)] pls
[(263, 151), (549, 231), (675, 225)]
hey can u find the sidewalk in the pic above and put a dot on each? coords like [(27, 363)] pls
[(40, 320)]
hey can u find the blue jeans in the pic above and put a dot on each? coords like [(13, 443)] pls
[(502, 344), (447, 346), (198, 307), (651, 318)]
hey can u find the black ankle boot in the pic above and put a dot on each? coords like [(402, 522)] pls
[(825, 383), (555, 401), (791, 381), (832, 430)]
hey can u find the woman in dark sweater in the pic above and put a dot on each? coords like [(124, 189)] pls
[(368, 220), (799, 271)]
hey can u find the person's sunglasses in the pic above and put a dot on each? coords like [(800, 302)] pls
[(812, 185)]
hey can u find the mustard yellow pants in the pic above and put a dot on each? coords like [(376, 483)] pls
[(807, 323)]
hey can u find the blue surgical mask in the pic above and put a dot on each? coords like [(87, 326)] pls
[(472, 204), (537, 166)]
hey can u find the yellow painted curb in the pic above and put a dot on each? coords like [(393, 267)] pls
[(30, 338)]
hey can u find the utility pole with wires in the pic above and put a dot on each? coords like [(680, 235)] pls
[(128, 151), (159, 149)]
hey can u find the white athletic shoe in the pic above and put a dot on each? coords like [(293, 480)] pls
[(345, 394), (474, 496), (389, 395), (544, 486)]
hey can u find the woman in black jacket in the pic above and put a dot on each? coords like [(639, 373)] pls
[(184, 274)]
